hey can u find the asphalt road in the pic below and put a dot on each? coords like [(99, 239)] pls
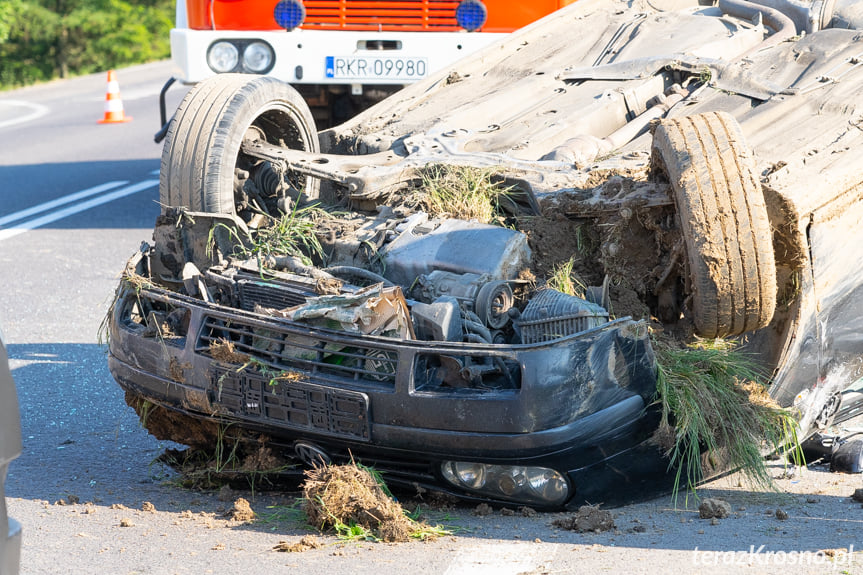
[(76, 199)]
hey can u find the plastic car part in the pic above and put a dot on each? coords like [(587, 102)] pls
[(202, 147), (438, 321), (458, 247), (847, 456), (723, 218)]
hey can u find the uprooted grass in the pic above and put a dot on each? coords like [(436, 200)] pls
[(292, 234), (353, 501), (564, 279), (464, 192), (716, 413)]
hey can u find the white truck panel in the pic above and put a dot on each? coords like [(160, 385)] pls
[(302, 55)]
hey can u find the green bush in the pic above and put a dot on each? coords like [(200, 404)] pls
[(45, 39)]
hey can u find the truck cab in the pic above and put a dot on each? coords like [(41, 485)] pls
[(341, 55)]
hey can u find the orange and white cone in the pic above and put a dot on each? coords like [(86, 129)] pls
[(114, 113)]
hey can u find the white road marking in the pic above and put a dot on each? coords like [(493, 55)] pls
[(36, 111), (60, 201), (74, 209), (501, 559)]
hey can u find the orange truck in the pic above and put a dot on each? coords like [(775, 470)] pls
[(341, 55)]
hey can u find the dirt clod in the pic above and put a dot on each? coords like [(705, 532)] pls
[(126, 522), (781, 515), (304, 544), (223, 350), (588, 518), (834, 553), (226, 493), (527, 511), (714, 508), (483, 510), (241, 511), (149, 507)]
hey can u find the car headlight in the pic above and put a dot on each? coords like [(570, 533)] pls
[(258, 57), (522, 484), (223, 57)]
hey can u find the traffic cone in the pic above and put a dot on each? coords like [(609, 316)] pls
[(113, 103)]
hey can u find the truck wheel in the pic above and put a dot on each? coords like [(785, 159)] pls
[(723, 218), (203, 168)]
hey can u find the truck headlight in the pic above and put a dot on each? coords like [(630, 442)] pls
[(223, 57), (522, 484), (258, 57)]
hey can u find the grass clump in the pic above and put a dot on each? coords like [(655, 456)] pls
[(353, 501), (293, 234), (564, 279), (464, 192), (716, 414)]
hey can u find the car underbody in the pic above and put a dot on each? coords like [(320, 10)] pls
[(695, 163)]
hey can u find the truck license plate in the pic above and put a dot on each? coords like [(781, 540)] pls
[(375, 68)]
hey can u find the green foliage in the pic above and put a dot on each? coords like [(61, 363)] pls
[(293, 234), (565, 279), (465, 192), (45, 39), (716, 412), (8, 8)]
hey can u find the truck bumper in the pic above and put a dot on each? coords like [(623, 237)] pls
[(334, 57)]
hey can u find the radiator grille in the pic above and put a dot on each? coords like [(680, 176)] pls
[(284, 350), (403, 15)]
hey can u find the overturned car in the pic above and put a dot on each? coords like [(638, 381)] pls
[(697, 163)]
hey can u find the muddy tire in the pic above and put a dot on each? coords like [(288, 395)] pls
[(202, 153), (723, 218)]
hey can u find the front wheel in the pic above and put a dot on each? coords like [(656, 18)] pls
[(723, 218), (203, 168)]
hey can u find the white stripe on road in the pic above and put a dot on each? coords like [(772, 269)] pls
[(501, 559), (59, 202), (36, 111), (60, 214)]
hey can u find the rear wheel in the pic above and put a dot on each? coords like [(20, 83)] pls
[(203, 167), (723, 218)]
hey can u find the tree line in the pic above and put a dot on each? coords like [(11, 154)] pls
[(45, 39)]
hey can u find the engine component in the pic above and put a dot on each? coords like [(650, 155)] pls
[(438, 321), (552, 314), (458, 247), (490, 301)]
